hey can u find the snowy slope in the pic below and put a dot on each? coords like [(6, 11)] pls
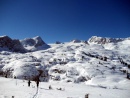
[(102, 65)]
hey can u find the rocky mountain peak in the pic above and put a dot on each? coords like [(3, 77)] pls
[(38, 41), (32, 44), (104, 40), (28, 44), (12, 45)]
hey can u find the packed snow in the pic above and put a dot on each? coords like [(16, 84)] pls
[(15, 88)]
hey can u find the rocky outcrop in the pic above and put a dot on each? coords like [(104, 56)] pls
[(12, 45), (104, 40)]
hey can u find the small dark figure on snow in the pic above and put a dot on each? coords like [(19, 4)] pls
[(37, 81), (87, 95), (29, 82), (14, 77), (50, 87), (5, 75)]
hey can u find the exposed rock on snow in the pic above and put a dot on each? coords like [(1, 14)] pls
[(104, 40), (12, 45), (26, 45)]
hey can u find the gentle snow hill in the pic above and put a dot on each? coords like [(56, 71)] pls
[(98, 65)]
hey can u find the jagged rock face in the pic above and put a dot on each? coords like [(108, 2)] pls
[(101, 40), (13, 45), (17, 46), (39, 41), (5, 42), (26, 45)]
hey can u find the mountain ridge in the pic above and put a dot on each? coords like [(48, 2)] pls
[(23, 46), (36, 43), (104, 40)]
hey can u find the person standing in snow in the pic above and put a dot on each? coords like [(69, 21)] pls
[(14, 77), (29, 82), (5, 75), (37, 81)]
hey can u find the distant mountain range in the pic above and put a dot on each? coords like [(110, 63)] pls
[(36, 43)]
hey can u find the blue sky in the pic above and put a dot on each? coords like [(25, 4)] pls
[(64, 20)]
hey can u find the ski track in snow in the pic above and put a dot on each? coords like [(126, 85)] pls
[(36, 94)]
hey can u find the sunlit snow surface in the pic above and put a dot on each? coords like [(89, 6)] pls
[(20, 89), (101, 81)]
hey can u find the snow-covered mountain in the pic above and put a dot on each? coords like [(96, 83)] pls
[(104, 40), (102, 62), (26, 45), (34, 44)]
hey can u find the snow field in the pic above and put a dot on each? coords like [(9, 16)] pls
[(19, 89)]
